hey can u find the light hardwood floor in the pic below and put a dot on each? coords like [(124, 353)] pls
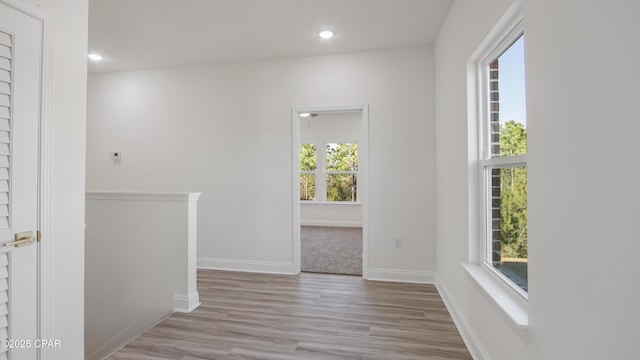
[(311, 316)]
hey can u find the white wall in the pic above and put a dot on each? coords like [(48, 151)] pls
[(138, 265), (584, 126), (582, 81), (331, 127), (349, 215), (225, 130), (325, 128), (68, 121)]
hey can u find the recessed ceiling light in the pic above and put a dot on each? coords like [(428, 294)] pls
[(95, 57), (303, 115), (326, 34)]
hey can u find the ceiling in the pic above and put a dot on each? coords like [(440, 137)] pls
[(138, 34)]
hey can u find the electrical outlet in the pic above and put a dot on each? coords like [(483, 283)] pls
[(397, 243)]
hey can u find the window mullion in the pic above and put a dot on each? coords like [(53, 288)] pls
[(340, 172), (322, 166), (505, 161)]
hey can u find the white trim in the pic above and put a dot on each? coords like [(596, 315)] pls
[(295, 187), (142, 196), (323, 172), (186, 303), (123, 339), (45, 192), (317, 173), (507, 30), (330, 108), (513, 306), (27, 9), (45, 322), (363, 159), (406, 276), (470, 338), (330, 203), (505, 33), (494, 44), (267, 267), (332, 223), (363, 168), (505, 161)]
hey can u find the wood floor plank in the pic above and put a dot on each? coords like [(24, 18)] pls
[(247, 316)]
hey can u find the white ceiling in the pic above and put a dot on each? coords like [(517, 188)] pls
[(137, 34)]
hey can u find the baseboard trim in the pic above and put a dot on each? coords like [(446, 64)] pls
[(128, 335), (477, 351), (186, 303), (331, 223), (407, 276), (267, 267)]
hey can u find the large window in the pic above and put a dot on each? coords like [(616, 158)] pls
[(330, 175), (503, 161)]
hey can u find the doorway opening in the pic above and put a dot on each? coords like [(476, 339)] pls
[(330, 152)]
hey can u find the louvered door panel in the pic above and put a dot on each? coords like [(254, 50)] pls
[(5, 161), (5, 127), (21, 64)]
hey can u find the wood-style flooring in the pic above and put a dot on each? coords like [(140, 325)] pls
[(311, 316)]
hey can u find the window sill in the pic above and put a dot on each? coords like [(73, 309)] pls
[(511, 303), (329, 203)]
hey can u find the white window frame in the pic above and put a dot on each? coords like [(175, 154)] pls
[(315, 173), (510, 298), (486, 162), (326, 172), (321, 173)]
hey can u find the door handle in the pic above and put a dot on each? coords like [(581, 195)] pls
[(22, 239)]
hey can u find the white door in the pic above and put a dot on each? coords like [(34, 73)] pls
[(20, 92)]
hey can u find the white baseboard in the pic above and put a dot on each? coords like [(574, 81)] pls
[(332, 223), (478, 352), (186, 303), (127, 335), (246, 266), (408, 276)]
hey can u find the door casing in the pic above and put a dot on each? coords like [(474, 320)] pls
[(363, 176)]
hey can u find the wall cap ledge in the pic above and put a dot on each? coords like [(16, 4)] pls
[(142, 196)]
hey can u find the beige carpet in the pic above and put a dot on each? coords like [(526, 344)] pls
[(331, 250)]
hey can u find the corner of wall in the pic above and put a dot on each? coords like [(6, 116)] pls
[(471, 340), (186, 303)]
